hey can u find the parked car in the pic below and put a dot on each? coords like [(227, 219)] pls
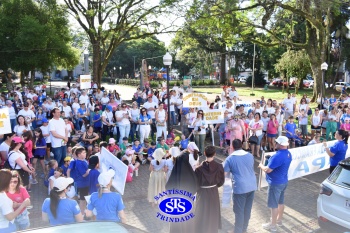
[(311, 84), (242, 79), (55, 79), (333, 202), (339, 86)]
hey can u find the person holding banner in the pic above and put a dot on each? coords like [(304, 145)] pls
[(200, 132), (277, 179), (337, 152)]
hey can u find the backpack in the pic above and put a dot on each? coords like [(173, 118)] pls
[(7, 163)]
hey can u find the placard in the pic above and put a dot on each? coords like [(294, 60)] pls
[(214, 116), (5, 123), (108, 161), (193, 100), (85, 81)]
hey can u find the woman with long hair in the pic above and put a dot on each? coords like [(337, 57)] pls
[(5, 147), (272, 131), (58, 209), (40, 115), (145, 124), (135, 114), (157, 178), (200, 132), (161, 119), (255, 126), (39, 149), (338, 150), (21, 126), (316, 122), (88, 139)]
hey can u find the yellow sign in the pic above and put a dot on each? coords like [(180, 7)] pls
[(195, 100), (85, 82), (214, 116), (5, 123)]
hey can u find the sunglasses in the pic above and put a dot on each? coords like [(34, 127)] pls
[(14, 182)]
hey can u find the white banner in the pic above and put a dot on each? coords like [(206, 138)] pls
[(214, 116), (305, 161), (85, 82), (247, 105), (5, 123), (193, 100), (109, 161)]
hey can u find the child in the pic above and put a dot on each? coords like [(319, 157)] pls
[(69, 150), (265, 119), (184, 141), (162, 145), (94, 165), (157, 178), (124, 145), (172, 133), (130, 173), (112, 147), (70, 170), (290, 130), (69, 129), (97, 121), (346, 125), (65, 166), (28, 146), (57, 173), (137, 147), (315, 140), (302, 117), (169, 141), (39, 149), (46, 133), (170, 161), (151, 151), (129, 155)]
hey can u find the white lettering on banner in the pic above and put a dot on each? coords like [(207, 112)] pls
[(5, 123), (247, 105), (85, 81), (108, 161), (214, 116), (193, 100), (305, 161)]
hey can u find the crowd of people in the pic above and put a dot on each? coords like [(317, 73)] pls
[(66, 132)]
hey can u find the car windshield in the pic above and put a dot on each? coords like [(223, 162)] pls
[(341, 176)]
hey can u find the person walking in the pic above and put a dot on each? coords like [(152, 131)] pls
[(58, 136), (241, 164), (277, 179)]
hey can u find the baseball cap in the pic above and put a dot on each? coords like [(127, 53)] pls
[(18, 139), (93, 161), (283, 141), (44, 120), (111, 140), (105, 177), (109, 107), (68, 158), (62, 183), (129, 152)]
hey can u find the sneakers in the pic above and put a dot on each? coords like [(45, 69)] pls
[(136, 172), (144, 161), (265, 149), (269, 227), (278, 223), (34, 181)]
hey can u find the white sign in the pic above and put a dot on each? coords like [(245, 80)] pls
[(109, 161), (85, 81), (247, 105), (305, 161), (5, 123), (193, 100), (214, 116)]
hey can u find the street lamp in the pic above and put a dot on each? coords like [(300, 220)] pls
[(120, 71), (167, 60), (49, 70), (324, 67)]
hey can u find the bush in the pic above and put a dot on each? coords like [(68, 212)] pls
[(258, 80)]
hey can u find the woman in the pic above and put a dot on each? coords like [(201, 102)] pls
[(18, 194), (161, 119), (319, 99), (200, 132), (117, 98), (324, 116), (5, 147), (145, 124), (331, 126), (40, 115), (7, 214), (189, 119), (12, 113), (112, 102), (272, 130), (21, 126), (157, 178), (105, 198), (255, 126), (135, 114), (338, 150), (123, 119), (269, 108), (88, 139), (83, 112), (236, 130), (193, 155), (72, 98), (91, 106), (210, 176), (17, 160), (75, 107), (316, 121), (303, 105), (58, 209), (279, 117)]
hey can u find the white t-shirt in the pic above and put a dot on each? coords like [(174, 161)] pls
[(179, 103), (60, 128), (155, 99), (45, 130), (259, 110), (255, 125), (67, 110), (161, 115), (19, 129), (173, 99), (69, 129), (148, 105), (84, 99), (49, 187), (108, 116), (135, 113), (4, 147), (28, 115), (121, 114), (288, 103), (74, 90), (5, 209), (12, 112), (104, 100), (191, 116), (75, 107), (265, 121), (14, 156)]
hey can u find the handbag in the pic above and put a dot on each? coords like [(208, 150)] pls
[(253, 139)]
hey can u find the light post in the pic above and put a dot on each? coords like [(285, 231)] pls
[(324, 67), (114, 73), (120, 71), (167, 60), (253, 77), (134, 67), (49, 70)]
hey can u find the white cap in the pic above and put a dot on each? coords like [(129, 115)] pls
[(61, 183), (105, 177), (283, 141)]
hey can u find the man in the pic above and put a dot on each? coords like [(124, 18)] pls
[(58, 136), (277, 178), (288, 104), (74, 89), (241, 164), (151, 108), (84, 98), (258, 108), (28, 114)]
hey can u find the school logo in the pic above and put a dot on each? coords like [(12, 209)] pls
[(175, 205)]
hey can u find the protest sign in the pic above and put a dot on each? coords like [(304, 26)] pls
[(85, 81), (214, 116), (5, 123), (193, 100), (305, 161), (109, 161), (247, 105)]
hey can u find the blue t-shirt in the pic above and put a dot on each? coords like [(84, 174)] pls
[(64, 168), (82, 112), (184, 143), (67, 209), (150, 152), (107, 207), (97, 123), (137, 149), (81, 167), (339, 150), (40, 151), (279, 163), (241, 164), (290, 127), (332, 100), (72, 170), (51, 172), (93, 182), (342, 118)]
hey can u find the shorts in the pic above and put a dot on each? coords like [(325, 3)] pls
[(83, 192), (22, 221), (270, 135), (315, 128), (228, 142), (260, 138), (40, 157), (48, 145), (97, 129), (275, 195)]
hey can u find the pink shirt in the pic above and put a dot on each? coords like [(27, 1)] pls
[(271, 129), (29, 147), (345, 126), (19, 197)]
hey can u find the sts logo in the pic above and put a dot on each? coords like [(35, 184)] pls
[(175, 206)]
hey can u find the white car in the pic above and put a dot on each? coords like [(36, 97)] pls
[(242, 79), (339, 86), (311, 84), (333, 203)]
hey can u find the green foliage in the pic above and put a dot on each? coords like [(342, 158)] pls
[(258, 80)]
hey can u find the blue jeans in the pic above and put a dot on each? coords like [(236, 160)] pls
[(275, 195), (59, 154), (242, 207), (133, 131), (124, 131), (173, 119), (13, 123), (76, 124)]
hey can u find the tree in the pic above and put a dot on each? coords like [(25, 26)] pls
[(110, 23)]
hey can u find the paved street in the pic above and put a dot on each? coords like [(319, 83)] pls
[(300, 212)]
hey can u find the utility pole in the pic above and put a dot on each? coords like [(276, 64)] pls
[(134, 66)]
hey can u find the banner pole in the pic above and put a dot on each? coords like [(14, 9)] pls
[(212, 134), (261, 171)]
